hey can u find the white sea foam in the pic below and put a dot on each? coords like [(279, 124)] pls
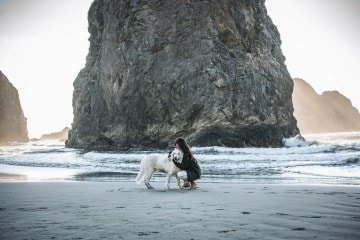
[(329, 157)]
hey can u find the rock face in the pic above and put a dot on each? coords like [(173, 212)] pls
[(13, 125), (210, 71), (328, 112)]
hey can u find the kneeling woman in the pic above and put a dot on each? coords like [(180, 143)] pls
[(189, 166)]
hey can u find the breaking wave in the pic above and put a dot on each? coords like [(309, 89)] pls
[(317, 158)]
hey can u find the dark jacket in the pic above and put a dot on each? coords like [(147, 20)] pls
[(191, 166)]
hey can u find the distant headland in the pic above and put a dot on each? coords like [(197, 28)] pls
[(329, 112)]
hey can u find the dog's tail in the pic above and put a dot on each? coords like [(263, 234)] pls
[(141, 175)]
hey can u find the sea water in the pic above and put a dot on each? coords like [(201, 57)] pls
[(332, 158)]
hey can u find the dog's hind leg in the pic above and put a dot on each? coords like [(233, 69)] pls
[(147, 180), (147, 184)]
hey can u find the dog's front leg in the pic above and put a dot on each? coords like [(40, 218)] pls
[(168, 181), (178, 181)]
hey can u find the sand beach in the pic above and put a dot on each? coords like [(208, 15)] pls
[(125, 210)]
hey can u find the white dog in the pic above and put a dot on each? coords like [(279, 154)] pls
[(161, 163)]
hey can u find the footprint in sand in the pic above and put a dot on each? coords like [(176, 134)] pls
[(226, 231), (146, 233), (298, 229)]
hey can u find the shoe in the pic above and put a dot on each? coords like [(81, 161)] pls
[(186, 185), (193, 185)]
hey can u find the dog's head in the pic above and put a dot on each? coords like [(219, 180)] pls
[(177, 155)]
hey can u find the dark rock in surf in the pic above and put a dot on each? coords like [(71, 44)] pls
[(210, 71)]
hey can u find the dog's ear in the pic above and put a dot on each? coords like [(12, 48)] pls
[(171, 154)]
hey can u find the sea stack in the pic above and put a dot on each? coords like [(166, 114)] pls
[(13, 124), (209, 71)]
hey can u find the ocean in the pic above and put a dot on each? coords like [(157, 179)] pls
[(332, 158)]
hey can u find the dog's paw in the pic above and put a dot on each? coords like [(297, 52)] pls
[(149, 186)]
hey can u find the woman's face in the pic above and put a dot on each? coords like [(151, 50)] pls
[(177, 146)]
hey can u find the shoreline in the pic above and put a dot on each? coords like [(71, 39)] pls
[(99, 177), (10, 173), (115, 210), (158, 178), (12, 177)]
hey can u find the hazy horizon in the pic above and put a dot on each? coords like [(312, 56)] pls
[(44, 44)]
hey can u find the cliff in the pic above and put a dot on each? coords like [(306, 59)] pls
[(13, 125), (210, 71), (329, 112)]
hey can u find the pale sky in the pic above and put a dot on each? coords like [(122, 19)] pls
[(44, 43), (321, 42)]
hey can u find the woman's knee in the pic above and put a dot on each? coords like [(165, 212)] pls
[(182, 175)]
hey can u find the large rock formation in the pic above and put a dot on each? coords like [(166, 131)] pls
[(13, 125), (328, 112), (210, 71)]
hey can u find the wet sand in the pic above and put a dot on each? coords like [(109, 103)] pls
[(12, 177), (125, 210)]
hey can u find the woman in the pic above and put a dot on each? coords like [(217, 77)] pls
[(189, 166)]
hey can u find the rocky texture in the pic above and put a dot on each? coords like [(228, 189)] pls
[(210, 71), (13, 125), (61, 136), (329, 112)]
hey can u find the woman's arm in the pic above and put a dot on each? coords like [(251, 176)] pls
[(185, 164)]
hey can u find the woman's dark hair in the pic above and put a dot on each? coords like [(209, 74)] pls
[(184, 146)]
